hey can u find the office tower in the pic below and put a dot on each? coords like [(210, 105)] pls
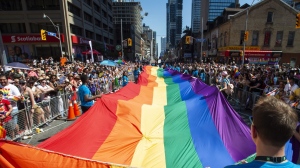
[(196, 16), (79, 22), (129, 13), (216, 7), (163, 42), (174, 21)]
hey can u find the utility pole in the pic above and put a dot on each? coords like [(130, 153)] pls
[(122, 40)]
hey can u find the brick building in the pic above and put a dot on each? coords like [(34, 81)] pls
[(272, 35)]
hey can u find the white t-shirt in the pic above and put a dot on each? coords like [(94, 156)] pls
[(290, 88), (45, 88), (9, 92)]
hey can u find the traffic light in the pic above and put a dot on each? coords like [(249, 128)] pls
[(204, 54), (187, 39), (43, 35), (129, 41), (246, 35), (298, 21), (241, 53)]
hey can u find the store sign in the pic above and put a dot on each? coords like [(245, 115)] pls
[(29, 38), (187, 55), (257, 48), (79, 40), (237, 53)]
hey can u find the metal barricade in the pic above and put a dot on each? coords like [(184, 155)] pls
[(29, 118)]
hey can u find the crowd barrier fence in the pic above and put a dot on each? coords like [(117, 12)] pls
[(30, 120)]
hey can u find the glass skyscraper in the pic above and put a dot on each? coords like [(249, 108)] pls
[(216, 7), (174, 21), (196, 16)]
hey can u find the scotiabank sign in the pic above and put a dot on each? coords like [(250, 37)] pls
[(33, 38), (79, 40)]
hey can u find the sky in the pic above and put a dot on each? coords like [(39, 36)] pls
[(156, 18)]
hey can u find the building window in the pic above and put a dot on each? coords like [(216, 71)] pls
[(267, 38), (12, 5), (97, 8), (74, 9), (87, 2), (106, 40), (105, 26), (109, 7), (279, 37), (291, 37), (36, 27), (221, 40), (76, 30), (111, 30), (242, 37), (98, 37), (104, 14), (97, 23), (43, 4), (225, 39), (88, 17), (255, 38), (110, 18), (12, 28), (89, 34), (270, 17), (46, 50)]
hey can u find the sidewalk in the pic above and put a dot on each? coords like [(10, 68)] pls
[(46, 132)]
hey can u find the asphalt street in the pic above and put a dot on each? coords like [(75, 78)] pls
[(46, 132)]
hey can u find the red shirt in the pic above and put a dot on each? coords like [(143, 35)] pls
[(5, 103)]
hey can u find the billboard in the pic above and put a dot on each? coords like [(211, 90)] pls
[(17, 53)]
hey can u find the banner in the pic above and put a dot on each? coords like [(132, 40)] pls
[(3, 57), (17, 53), (92, 55)]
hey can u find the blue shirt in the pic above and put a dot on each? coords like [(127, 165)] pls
[(195, 73), (136, 73), (82, 91), (260, 164), (125, 80)]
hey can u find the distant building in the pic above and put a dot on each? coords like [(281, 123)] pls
[(151, 36), (163, 43), (79, 22), (130, 15), (174, 21), (216, 7), (272, 35), (196, 16)]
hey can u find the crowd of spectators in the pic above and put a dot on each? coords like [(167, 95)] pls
[(43, 92), (38, 91), (247, 82)]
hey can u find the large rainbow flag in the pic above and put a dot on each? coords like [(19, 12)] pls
[(166, 120)]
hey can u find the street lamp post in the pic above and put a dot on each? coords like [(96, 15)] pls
[(122, 40), (246, 27), (58, 32)]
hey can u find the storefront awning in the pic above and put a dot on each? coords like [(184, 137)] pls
[(250, 53)]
